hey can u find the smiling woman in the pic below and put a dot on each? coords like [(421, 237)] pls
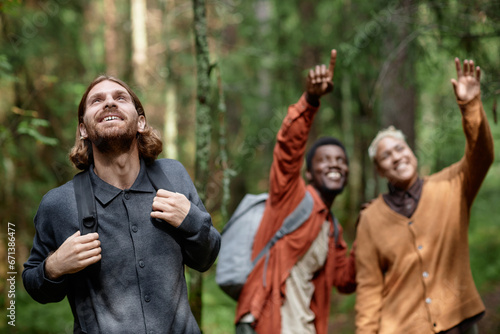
[(396, 162), (409, 238)]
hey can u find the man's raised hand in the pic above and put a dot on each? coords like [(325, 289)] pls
[(467, 86), (320, 79)]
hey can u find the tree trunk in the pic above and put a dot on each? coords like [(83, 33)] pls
[(262, 13), (139, 41), (355, 169), (170, 123), (110, 39), (203, 130), (398, 92)]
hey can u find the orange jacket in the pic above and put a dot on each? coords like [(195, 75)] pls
[(413, 273), (287, 189)]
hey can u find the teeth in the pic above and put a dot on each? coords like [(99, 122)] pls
[(334, 175), (110, 118), (401, 166)]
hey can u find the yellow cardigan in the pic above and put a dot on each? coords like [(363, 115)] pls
[(413, 274)]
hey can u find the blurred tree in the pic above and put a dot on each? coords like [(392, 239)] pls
[(139, 41), (111, 39), (170, 122), (203, 133), (397, 96)]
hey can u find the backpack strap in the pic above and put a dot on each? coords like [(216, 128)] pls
[(85, 203), (158, 178), (85, 200), (335, 229), (88, 223), (292, 222), (247, 204)]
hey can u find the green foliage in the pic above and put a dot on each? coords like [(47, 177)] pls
[(29, 127), (33, 318), (218, 308), (484, 243), (5, 67)]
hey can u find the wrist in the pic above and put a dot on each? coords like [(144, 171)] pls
[(468, 99), (312, 99), (49, 269)]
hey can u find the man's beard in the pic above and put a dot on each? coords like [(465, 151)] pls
[(331, 192), (109, 141)]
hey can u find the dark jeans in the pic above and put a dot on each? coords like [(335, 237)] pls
[(244, 328), (472, 330), (457, 330)]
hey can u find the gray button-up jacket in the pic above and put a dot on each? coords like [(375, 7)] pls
[(140, 286)]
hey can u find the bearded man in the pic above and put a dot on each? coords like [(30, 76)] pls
[(144, 237)]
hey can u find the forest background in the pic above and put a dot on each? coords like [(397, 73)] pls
[(394, 65)]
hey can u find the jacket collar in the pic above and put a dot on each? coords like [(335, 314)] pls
[(414, 191), (319, 205), (105, 192)]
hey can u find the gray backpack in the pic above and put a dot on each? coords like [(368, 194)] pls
[(235, 263)]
